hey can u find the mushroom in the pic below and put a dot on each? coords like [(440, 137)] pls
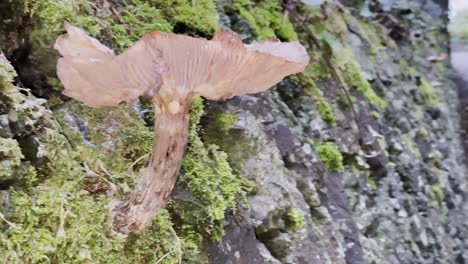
[(172, 70)]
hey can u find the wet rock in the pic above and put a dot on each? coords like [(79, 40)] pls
[(237, 247)]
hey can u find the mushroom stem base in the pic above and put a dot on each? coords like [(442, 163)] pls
[(154, 188)]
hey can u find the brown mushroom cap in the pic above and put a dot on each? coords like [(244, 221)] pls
[(217, 69), (224, 67), (91, 73)]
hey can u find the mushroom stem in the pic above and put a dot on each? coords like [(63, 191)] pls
[(154, 188)]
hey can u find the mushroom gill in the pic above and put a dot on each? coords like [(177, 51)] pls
[(173, 70)]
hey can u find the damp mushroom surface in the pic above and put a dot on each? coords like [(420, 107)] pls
[(172, 70)]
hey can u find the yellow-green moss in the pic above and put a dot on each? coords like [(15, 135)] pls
[(138, 19), (201, 17), (428, 93), (324, 109), (266, 19), (210, 179), (332, 33), (295, 219), (422, 132), (335, 21), (7, 73), (10, 161), (225, 121), (437, 194), (331, 156), (118, 136), (318, 70), (369, 33), (59, 218), (322, 106), (350, 72), (411, 145), (372, 184)]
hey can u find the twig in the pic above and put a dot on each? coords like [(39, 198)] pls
[(179, 245), (138, 160), (61, 230), (163, 257), (8, 222), (313, 42)]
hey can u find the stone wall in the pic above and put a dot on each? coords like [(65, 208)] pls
[(300, 174)]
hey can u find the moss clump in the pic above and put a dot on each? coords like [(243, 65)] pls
[(118, 136), (332, 33), (138, 18), (331, 156), (58, 219), (225, 121), (7, 73), (266, 19), (411, 145), (51, 14), (322, 106), (369, 33), (335, 21), (437, 194), (372, 184), (65, 216), (295, 219), (319, 69), (351, 72), (324, 109), (210, 179), (427, 93), (201, 17), (422, 132), (11, 167), (53, 226)]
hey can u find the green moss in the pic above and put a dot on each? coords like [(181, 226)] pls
[(411, 145), (295, 219), (376, 115), (64, 216), (11, 167), (7, 73), (225, 121), (63, 219), (94, 154), (382, 144), (319, 69), (369, 33), (326, 112), (331, 156), (138, 19), (210, 180), (332, 32), (118, 134), (201, 17), (322, 106), (427, 93), (435, 159), (335, 21), (266, 19), (422, 132), (372, 184), (351, 72), (437, 194), (51, 14)]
